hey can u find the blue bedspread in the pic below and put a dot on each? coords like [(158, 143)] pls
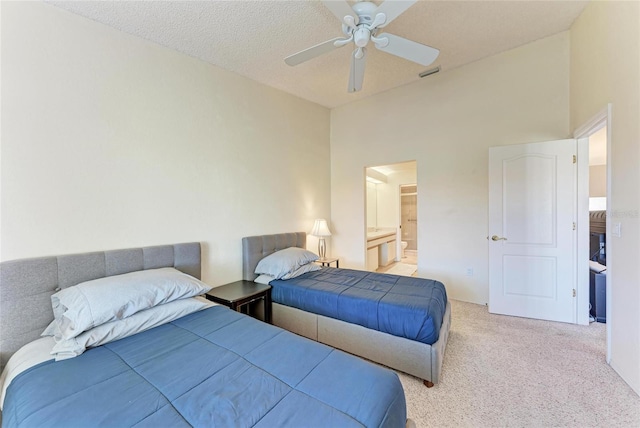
[(213, 368), (403, 306)]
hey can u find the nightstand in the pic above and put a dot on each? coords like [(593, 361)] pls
[(328, 260), (236, 295)]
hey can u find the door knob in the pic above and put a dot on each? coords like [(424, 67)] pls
[(497, 238)]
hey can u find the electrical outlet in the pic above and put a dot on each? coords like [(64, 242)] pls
[(469, 271)]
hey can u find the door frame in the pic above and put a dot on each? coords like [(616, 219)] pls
[(582, 133)]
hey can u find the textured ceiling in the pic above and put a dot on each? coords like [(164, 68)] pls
[(252, 38)]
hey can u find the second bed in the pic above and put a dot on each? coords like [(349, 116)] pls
[(364, 328)]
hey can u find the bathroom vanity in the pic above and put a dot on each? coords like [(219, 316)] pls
[(381, 247)]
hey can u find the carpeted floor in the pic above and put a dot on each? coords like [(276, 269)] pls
[(507, 371)]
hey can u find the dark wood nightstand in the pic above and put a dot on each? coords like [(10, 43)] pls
[(237, 294), (328, 260)]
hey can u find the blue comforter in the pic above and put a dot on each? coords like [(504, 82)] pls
[(211, 368), (403, 306)]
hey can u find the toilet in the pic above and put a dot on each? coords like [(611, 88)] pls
[(404, 246)]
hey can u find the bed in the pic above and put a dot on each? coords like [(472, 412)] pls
[(423, 360), (212, 367)]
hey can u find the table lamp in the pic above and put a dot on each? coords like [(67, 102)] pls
[(320, 229)]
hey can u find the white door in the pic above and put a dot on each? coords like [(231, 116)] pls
[(532, 209)]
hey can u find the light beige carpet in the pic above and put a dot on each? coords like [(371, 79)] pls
[(516, 372)]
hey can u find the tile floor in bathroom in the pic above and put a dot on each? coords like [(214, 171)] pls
[(411, 258)]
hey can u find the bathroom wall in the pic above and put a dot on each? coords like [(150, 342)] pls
[(388, 207), (409, 217), (389, 197)]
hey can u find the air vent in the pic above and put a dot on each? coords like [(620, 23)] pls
[(429, 72)]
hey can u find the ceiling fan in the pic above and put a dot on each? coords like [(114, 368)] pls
[(360, 24)]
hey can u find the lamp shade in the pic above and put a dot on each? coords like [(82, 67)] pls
[(320, 228)]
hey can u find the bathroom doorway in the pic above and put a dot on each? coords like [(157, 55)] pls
[(388, 188), (409, 223)]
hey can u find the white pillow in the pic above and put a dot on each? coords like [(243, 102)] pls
[(264, 279), (309, 267), (92, 303), (140, 321), (284, 261)]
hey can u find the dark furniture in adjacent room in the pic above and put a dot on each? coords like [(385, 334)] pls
[(598, 265), (598, 291)]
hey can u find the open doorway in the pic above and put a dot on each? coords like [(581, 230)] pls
[(391, 209), (594, 149), (598, 225)]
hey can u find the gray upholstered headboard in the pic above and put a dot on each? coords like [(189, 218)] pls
[(26, 285), (255, 248)]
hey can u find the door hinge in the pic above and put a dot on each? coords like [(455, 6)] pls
[(575, 159), (574, 225), (574, 292)]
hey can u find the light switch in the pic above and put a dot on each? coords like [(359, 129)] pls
[(616, 230)]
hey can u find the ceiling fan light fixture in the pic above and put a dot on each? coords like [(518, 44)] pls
[(361, 37), (429, 72)]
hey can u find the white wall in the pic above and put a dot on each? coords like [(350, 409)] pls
[(609, 31), (110, 141), (446, 123)]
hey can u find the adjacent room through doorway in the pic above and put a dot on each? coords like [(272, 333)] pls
[(392, 218)]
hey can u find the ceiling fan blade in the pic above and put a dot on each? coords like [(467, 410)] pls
[(312, 52), (356, 76), (340, 8), (408, 49), (392, 9)]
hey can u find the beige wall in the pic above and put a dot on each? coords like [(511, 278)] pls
[(446, 123), (110, 141), (597, 181), (605, 68)]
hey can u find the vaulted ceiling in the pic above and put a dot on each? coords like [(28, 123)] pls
[(252, 38)]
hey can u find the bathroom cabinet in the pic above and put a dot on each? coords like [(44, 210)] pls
[(387, 253), (381, 248), (372, 259)]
